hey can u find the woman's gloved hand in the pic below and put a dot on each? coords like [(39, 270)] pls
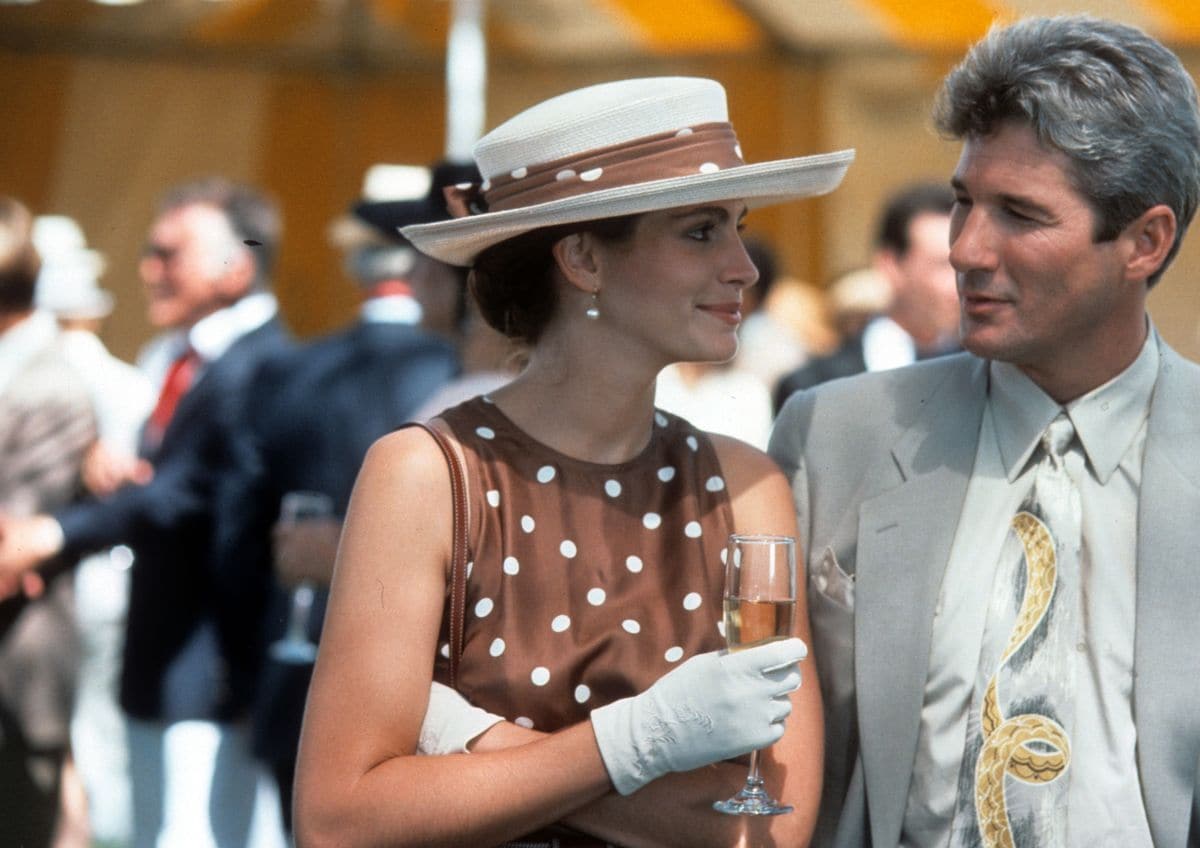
[(451, 722), (713, 707)]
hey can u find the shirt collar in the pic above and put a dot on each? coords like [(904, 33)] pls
[(23, 341), (1106, 419), (391, 309), (214, 334)]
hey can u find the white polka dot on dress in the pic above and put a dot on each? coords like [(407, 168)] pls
[(445, 650), (564, 175), (568, 549), (497, 647), (612, 488), (582, 693), (693, 443), (545, 474), (714, 484), (721, 627), (651, 520), (493, 498), (633, 563), (561, 623), (484, 607), (520, 173), (592, 175), (470, 568), (673, 654), (666, 474), (523, 721), (693, 530), (660, 419), (485, 432), (596, 596), (540, 676), (630, 625), (686, 131), (709, 168), (527, 523), (511, 565), (692, 601)]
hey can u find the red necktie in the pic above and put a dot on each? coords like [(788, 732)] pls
[(179, 380)]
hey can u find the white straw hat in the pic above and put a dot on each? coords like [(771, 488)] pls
[(614, 149), (69, 283)]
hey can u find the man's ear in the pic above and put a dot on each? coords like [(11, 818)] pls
[(238, 277), (575, 256), (1150, 237)]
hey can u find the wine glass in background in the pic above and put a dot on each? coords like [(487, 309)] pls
[(295, 646), (760, 606)]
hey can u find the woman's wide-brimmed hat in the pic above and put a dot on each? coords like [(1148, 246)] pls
[(613, 149), (69, 283)]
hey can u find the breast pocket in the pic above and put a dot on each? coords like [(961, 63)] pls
[(831, 612)]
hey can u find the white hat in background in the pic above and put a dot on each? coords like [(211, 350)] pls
[(610, 150), (69, 282)]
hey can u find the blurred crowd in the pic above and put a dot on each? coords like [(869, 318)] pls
[(168, 528)]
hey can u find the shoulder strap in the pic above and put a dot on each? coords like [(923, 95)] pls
[(458, 551)]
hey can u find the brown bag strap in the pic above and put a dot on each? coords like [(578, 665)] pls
[(458, 550)]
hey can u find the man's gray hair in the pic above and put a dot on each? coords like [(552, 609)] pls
[(1115, 101)]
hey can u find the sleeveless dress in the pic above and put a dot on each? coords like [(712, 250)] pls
[(586, 582)]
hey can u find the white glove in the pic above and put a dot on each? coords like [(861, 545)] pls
[(713, 707), (451, 722)]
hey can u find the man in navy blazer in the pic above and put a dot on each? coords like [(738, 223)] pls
[(1079, 173), (187, 676), (313, 414)]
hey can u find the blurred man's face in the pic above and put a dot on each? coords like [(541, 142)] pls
[(190, 253), (927, 275)]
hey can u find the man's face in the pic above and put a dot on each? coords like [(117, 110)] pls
[(1035, 289), (927, 277), (189, 257)]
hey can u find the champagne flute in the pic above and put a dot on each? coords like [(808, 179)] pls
[(760, 606), (295, 647)]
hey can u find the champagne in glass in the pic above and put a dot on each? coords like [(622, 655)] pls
[(296, 647), (760, 606)]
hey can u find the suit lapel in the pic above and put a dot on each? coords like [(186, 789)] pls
[(904, 540), (1166, 683)]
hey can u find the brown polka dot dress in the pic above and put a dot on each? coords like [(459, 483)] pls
[(586, 582)]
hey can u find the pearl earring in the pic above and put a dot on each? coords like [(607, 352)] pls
[(593, 310)]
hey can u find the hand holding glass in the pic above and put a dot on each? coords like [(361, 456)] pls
[(295, 647), (760, 606)]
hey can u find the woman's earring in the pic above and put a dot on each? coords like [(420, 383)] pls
[(593, 310)]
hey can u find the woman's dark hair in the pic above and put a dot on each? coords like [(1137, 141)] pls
[(19, 261), (513, 281)]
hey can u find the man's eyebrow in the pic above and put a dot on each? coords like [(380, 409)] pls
[(1019, 200)]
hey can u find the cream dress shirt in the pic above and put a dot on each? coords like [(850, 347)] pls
[(1104, 796)]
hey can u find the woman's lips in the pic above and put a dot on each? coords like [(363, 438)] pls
[(730, 313)]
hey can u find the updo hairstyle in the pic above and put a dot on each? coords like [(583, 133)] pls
[(513, 281)]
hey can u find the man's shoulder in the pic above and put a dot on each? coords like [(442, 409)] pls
[(853, 414), (50, 377), (904, 386)]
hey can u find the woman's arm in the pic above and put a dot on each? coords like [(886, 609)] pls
[(358, 782)]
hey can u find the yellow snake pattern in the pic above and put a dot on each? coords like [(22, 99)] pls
[(1006, 741)]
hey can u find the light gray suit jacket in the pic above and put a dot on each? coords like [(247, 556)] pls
[(46, 424), (879, 466)]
